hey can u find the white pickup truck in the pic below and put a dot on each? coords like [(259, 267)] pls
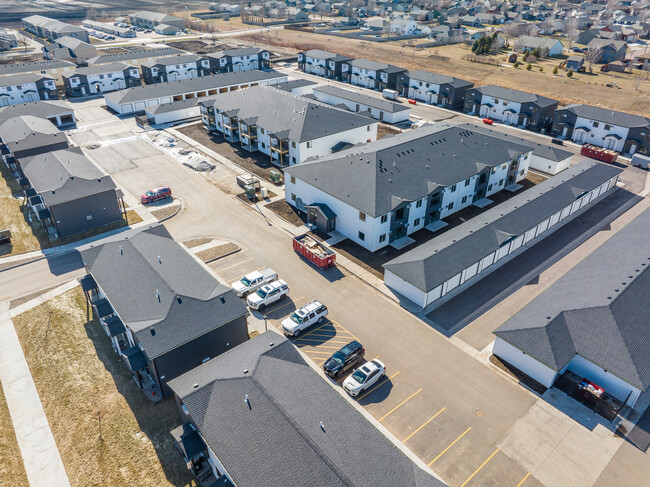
[(268, 294), (253, 281), (303, 318)]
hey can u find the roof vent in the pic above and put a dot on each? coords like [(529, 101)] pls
[(159, 260), (322, 426), (152, 331), (158, 295), (121, 251), (196, 386), (248, 401), (179, 300), (245, 371), (223, 300)]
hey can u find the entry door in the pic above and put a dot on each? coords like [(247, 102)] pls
[(580, 137), (609, 143), (506, 117), (484, 111), (32, 97), (564, 131)]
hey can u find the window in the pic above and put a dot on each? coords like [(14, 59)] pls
[(262, 131), (384, 218), (369, 128), (399, 214), (382, 238), (496, 101), (293, 179), (481, 178), (263, 145), (453, 188), (362, 216), (309, 143), (467, 181), (608, 127), (595, 124), (362, 236), (450, 206), (293, 144), (293, 159), (416, 222), (464, 200), (418, 204), (293, 196), (501, 183), (490, 187)]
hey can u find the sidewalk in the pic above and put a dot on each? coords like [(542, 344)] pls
[(41, 458)]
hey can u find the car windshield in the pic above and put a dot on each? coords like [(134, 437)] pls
[(339, 357), (149, 193), (359, 376), (261, 293), (245, 281), (294, 317)]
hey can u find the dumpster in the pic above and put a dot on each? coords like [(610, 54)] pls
[(598, 153), (315, 252)]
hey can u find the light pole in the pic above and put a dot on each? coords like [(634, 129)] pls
[(266, 324)]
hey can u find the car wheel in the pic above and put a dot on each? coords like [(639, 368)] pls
[(320, 320), (261, 307), (282, 297), (296, 333)]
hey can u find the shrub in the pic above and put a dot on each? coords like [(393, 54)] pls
[(569, 73), (529, 67), (541, 68), (555, 70), (517, 64)]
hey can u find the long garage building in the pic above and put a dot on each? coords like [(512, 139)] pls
[(461, 256)]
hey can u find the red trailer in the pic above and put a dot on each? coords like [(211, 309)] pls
[(312, 250), (599, 153)]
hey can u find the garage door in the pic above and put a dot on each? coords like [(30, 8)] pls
[(139, 106), (516, 243)]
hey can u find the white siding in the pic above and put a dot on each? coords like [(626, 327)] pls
[(323, 146), (596, 135), (549, 166), (406, 289), (527, 364)]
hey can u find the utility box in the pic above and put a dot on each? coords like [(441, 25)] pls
[(248, 180), (276, 176), (264, 193), (250, 192)]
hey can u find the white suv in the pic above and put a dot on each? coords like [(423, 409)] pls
[(276, 291), (364, 377), (303, 318)]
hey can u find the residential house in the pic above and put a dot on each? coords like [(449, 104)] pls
[(167, 30), (379, 193), (376, 25), (322, 63), (403, 27), (617, 131), (174, 68), (594, 334), (263, 396), (377, 108), (513, 107), (70, 48), (173, 112), (101, 78), (151, 20), (575, 63), (528, 43), (433, 88), (51, 29), (7, 40), (240, 59), (68, 193), (644, 59), (444, 266), (295, 14), (609, 50), (22, 88), (164, 311), (470, 21), (286, 127), (135, 100), (371, 74)]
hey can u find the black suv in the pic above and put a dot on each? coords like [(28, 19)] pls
[(344, 359)]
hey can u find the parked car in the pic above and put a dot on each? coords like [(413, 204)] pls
[(412, 101), (344, 359), (364, 377), (488, 121), (557, 141), (253, 281), (268, 294), (156, 194), (303, 318)]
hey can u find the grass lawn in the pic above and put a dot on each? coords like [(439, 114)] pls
[(29, 236), (12, 471), (77, 375), (447, 60)]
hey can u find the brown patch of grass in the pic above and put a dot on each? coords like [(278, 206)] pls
[(535, 177), (216, 252), (195, 242), (12, 470), (383, 130), (165, 212), (77, 374), (286, 211)]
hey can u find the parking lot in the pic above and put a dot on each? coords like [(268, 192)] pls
[(454, 412)]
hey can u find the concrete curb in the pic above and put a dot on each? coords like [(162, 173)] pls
[(224, 255), (180, 207), (23, 263)]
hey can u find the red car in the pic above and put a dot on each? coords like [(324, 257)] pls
[(489, 121), (412, 101), (156, 194)]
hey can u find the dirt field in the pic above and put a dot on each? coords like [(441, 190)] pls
[(79, 378), (12, 471), (286, 211), (583, 88)]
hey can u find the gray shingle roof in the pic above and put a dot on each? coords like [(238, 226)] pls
[(22, 79), (606, 115), (135, 54), (530, 41), (288, 401), (171, 60), (278, 111), (73, 43), (443, 257), (27, 132), (40, 109), (294, 83), (33, 66), (102, 68), (598, 310), (376, 177), (64, 175), (602, 43), (173, 295), (154, 16), (173, 106), (515, 95), (318, 54), (371, 101), (376, 66), (439, 79), (170, 88)]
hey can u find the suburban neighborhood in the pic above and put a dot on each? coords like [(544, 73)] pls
[(342, 243)]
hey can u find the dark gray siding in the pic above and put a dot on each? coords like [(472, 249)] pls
[(70, 217), (34, 151), (191, 355)]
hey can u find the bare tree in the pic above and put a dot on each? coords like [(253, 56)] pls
[(571, 30), (546, 26), (22, 40), (592, 56)]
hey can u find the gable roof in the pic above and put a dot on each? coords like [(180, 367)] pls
[(530, 41), (377, 177), (153, 283), (277, 111), (371, 101), (443, 257), (237, 52), (27, 132), (439, 79), (102, 68), (171, 60), (515, 95), (132, 54), (288, 403), (602, 43), (38, 109), (375, 66), (22, 79), (64, 175), (607, 322), (606, 115)]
